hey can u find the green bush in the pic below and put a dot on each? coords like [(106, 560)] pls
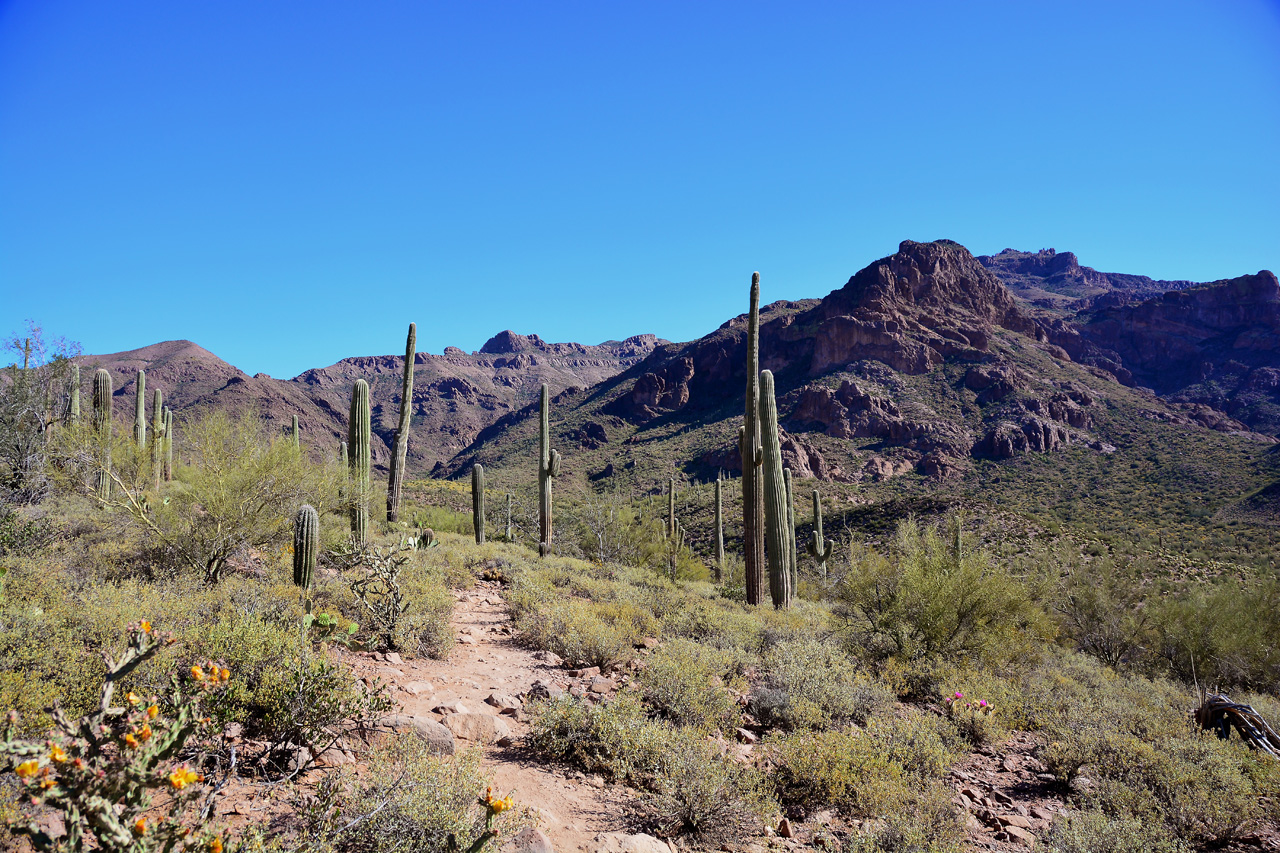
[(931, 601), (1089, 831), (686, 683), (810, 684), (617, 740)]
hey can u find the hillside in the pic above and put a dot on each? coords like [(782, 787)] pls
[(1056, 282)]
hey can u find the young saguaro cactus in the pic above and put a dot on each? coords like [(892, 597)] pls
[(719, 569), (102, 426), (395, 479), (777, 543), (548, 467), (297, 438), (820, 549), (753, 533), (477, 501), (140, 411), (359, 437), (157, 438), (306, 545)]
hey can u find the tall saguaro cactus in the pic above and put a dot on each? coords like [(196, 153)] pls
[(140, 411), (73, 408), (753, 533), (157, 438), (168, 444), (395, 480), (548, 467), (477, 501), (671, 508), (359, 432), (306, 544), (793, 562), (297, 438), (820, 549), (102, 425), (719, 529), (777, 543)]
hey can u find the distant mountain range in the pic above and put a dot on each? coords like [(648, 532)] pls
[(924, 361)]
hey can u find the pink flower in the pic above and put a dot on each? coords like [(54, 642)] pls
[(959, 695), (982, 703)]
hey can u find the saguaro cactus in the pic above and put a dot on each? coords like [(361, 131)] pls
[(820, 549), (508, 516), (102, 425), (73, 407), (719, 530), (792, 558), (306, 544), (477, 501), (157, 437), (777, 543), (671, 508), (297, 439), (168, 444), (140, 411), (753, 533), (358, 437), (395, 479), (548, 467)]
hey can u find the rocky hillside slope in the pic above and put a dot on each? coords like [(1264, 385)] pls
[(455, 396), (1056, 282)]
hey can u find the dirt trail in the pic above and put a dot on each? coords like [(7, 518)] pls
[(575, 809)]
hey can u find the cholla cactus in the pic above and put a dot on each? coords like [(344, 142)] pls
[(99, 771)]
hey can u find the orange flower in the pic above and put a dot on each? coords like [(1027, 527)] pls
[(144, 732), (197, 673), (500, 806), (225, 674), (215, 846), (27, 769), (153, 712), (140, 826), (145, 626), (131, 739), (132, 698), (182, 777), (57, 754), (46, 783)]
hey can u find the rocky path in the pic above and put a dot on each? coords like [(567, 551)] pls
[(476, 698)]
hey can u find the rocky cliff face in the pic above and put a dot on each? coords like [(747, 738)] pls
[(1056, 281)]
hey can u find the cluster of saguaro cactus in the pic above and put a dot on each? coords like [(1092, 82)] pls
[(306, 545), (157, 438), (820, 549), (777, 540), (102, 425), (719, 567), (477, 501), (140, 411), (359, 437), (749, 444), (548, 467), (395, 480)]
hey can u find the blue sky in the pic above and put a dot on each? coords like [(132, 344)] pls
[(291, 183)]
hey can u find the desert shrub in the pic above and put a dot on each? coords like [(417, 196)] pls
[(888, 773), (692, 787), (602, 635), (686, 683), (933, 599), (415, 801), (811, 684), (718, 624), (1089, 831), (1227, 630)]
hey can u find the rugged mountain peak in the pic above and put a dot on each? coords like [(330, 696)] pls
[(509, 342), (941, 275), (1057, 281)]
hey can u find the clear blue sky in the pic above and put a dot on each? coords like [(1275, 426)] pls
[(290, 183)]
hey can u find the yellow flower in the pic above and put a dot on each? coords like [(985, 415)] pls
[(140, 826), (146, 626), (225, 674), (153, 712), (130, 739), (197, 673), (132, 698), (57, 754), (500, 806), (215, 846), (27, 769), (46, 784), (182, 777), (144, 732)]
